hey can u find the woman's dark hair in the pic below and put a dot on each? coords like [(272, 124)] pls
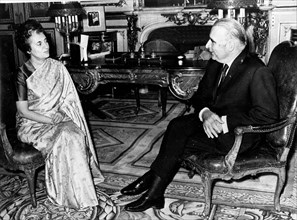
[(24, 32)]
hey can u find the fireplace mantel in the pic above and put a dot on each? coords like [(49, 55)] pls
[(149, 20), (152, 19)]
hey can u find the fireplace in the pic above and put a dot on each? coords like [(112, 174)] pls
[(178, 39), (170, 39)]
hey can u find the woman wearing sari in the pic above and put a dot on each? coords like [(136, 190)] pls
[(51, 118)]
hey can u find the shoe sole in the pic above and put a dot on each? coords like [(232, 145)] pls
[(156, 206)]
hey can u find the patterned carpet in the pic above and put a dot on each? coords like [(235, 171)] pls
[(126, 145)]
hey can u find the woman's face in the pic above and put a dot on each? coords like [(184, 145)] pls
[(39, 46)]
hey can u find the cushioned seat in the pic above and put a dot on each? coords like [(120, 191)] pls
[(259, 157), (23, 153)]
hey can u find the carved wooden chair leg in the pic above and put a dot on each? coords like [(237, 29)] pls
[(207, 185), (281, 178), (30, 175)]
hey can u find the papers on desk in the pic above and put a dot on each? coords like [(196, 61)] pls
[(98, 55), (79, 51), (84, 47)]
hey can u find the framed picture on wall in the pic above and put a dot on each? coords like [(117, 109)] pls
[(94, 19), (6, 15), (37, 10)]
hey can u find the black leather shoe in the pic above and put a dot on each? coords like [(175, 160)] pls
[(145, 202), (153, 198), (138, 186)]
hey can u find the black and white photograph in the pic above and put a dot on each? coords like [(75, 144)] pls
[(148, 110)]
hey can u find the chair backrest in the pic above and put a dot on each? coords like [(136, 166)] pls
[(8, 100), (7, 109), (283, 64)]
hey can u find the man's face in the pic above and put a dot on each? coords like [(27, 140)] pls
[(217, 44)]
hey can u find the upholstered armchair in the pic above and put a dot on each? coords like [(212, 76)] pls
[(272, 156), (18, 156)]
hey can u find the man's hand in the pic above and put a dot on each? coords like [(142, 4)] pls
[(212, 124)]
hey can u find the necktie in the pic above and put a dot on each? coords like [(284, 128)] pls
[(223, 73)]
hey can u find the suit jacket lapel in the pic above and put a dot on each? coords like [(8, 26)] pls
[(234, 70), (217, 81)]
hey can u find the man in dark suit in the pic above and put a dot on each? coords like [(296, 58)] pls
[(244, 93)]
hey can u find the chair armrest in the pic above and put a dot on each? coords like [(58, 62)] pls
[(230, 158), (265, 128)]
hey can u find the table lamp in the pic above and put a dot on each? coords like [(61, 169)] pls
[(66, 18)]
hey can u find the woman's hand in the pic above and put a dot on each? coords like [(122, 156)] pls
[(58, 117)]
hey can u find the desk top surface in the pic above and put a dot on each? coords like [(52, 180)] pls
[(123, 60)]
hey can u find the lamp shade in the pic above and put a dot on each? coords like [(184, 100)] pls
[(225, 4), (65, 9)]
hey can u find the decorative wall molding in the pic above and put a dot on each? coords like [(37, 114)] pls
[(256, 18), (191, 18), (282, 20), (132, 31), (259, 20)]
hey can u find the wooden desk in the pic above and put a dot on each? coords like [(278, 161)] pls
[(88, 79), (182, 79)]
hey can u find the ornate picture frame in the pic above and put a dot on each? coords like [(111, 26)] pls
[(6, 13), (94, 19), (37, 10)]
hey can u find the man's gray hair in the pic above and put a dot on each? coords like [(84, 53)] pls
[(234, 28)]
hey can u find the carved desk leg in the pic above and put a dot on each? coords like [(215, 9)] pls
[(163, 97), (137, 97)]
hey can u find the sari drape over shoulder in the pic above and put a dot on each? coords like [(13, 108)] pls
[(71, 165)]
